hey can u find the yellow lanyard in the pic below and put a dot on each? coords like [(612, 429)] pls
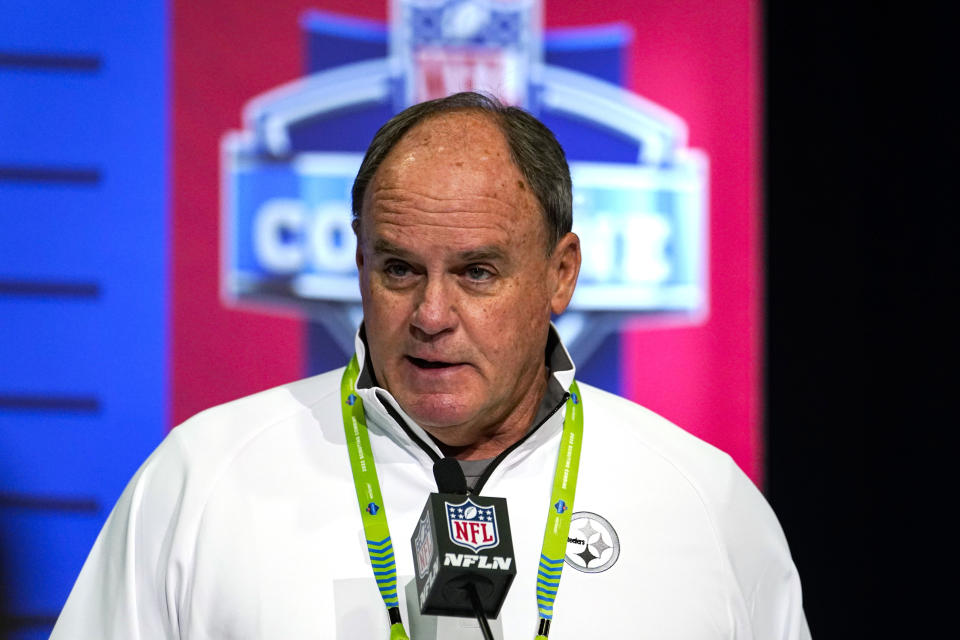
[(374, 514)]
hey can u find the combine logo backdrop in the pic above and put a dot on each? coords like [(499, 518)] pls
[(639, 191)]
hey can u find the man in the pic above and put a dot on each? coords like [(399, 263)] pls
[(244, 523)]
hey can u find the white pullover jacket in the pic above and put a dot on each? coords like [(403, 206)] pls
[(244, 525)]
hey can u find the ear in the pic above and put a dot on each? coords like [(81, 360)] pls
[(564, 269), (356, 234)]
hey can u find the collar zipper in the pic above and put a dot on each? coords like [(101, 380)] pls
[(482, 480)]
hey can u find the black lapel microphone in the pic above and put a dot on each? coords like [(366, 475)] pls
[(462, 550)]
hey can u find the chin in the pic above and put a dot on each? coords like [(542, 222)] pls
[(437, 412)]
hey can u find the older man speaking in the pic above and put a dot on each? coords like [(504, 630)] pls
[(244, 523)]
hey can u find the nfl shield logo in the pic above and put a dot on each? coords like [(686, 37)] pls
[(424, 544), (446, 46), (472, 526)]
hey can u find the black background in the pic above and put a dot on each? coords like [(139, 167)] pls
[(861, 222)]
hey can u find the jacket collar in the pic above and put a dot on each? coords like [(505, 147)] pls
[(378, 403)]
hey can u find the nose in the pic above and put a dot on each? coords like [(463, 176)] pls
[(435, 313)]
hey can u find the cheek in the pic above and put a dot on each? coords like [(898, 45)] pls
[(507, 322), (383, 309)]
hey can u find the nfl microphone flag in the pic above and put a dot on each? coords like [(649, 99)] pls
[(461, 540)]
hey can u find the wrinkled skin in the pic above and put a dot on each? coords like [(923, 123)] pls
[(458, 285)]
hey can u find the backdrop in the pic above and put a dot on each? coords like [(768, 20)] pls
[(139, 151)]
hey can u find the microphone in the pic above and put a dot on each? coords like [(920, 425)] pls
[(449, 476), (462, 550)]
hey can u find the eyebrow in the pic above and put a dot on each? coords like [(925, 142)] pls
[(479, 254), (383, 246)]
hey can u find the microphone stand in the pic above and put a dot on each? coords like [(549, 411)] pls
[(474, 597)]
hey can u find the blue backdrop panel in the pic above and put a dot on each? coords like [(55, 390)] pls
[(333, 39), (50, 229), (83, 282), (599, 51)]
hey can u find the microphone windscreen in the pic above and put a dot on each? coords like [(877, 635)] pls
[(449, 476), (461, 541)]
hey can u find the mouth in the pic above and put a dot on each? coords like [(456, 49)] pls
[(420, 363)]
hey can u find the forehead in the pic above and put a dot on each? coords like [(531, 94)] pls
[(463, 143), (457, 168), (448, 133)]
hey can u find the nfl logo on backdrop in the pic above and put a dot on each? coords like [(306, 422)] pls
[(472, 526), (446, 46)]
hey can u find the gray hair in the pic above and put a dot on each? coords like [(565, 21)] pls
[(533, 147)]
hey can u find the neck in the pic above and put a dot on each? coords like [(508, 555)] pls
[(502, 434)]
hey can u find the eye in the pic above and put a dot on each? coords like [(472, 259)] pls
[(397, 269), (478, 273)]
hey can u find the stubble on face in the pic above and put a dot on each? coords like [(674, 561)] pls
[(456, 289)]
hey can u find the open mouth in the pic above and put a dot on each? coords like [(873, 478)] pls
[(430, 364)]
